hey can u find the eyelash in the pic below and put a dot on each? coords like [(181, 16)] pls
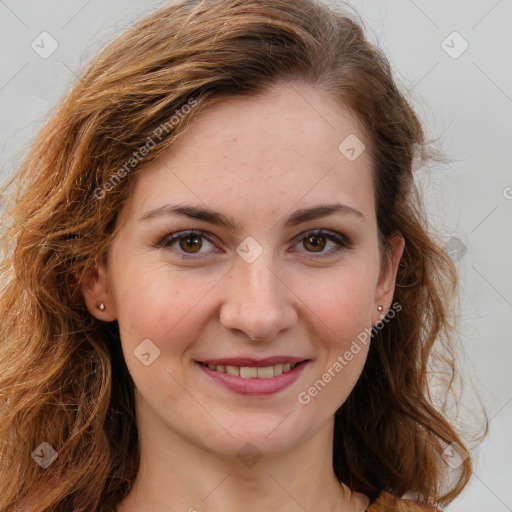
[(343, 242)]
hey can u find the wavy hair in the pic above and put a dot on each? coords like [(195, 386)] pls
[(63, 379)]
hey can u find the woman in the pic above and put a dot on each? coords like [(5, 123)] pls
[(219, 290)]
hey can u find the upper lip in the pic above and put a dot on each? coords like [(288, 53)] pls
[(249, 361)]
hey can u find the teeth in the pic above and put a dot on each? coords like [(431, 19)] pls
[(278, 369), (253, 372), (233, 370), (249, 372), (264, 372)]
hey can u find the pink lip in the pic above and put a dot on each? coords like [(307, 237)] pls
[(259, 363), (259, 387)]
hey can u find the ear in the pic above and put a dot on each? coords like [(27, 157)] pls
[(386, 284), (96, 290)]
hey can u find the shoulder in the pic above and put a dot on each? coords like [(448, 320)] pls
[(386, 502)]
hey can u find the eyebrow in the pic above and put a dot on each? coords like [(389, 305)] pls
[(202, 213)]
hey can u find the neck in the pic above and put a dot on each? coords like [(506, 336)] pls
[(175, 474)]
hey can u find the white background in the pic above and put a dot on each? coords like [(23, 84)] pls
[(466, 101)]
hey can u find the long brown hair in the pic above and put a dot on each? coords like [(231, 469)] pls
[(63, 380)]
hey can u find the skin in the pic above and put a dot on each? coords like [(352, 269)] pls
[(256, 160)]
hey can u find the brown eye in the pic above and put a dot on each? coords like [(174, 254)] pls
[(316, 243), (186, 243), (190, 244)]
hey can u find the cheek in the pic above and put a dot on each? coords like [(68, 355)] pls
[(165, 307), (341, 300), (157, 302), (341, 310), (343, 340)]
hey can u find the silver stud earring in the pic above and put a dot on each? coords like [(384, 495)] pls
[(379, 308), (101, 306)]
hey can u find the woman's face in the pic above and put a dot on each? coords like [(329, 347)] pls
[(255, 285)]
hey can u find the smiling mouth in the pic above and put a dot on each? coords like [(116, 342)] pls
[(253, 372)]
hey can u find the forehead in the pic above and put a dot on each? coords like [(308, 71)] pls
[(263, 154)]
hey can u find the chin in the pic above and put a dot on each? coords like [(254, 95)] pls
[(257, 437)]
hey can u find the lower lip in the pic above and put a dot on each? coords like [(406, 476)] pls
[(260, 387)]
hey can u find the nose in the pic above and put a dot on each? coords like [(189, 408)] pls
[(257, 302)]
